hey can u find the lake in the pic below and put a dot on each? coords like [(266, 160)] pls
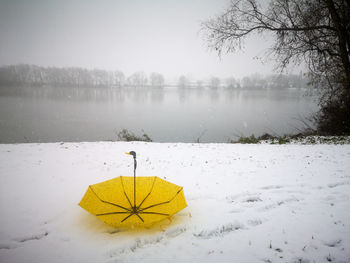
[(53, 114)]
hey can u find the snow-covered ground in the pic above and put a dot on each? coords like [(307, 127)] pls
[(246, 203)]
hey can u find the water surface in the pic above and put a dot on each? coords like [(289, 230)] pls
[(51, 114)]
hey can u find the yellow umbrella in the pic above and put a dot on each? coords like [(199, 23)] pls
[(133, 201)]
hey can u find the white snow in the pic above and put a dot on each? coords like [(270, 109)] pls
[(246, 203)]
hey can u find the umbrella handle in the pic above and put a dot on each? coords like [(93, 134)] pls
[(135, 165)]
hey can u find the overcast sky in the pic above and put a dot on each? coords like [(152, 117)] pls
[(127, 35)]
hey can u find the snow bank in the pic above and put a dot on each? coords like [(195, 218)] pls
[(246, 203)]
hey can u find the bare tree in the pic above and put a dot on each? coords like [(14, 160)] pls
[(315, 32), (183, 82), (137, 79), (157, 80), (199, 84), (231, 82), (117, 78), (25, 75), (215, 82), (247, 82)]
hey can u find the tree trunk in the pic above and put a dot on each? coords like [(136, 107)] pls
[(343, 37)]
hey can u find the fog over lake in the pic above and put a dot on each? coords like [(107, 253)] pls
[(57, 59), (52, 114)]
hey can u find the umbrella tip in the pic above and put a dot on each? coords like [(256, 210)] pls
[(132, 153)]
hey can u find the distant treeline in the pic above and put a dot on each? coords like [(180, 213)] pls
[(32, 75), (22, 75)]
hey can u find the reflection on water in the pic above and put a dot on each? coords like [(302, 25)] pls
[(48, 114)]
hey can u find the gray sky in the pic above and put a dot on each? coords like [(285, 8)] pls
[(128, 35)]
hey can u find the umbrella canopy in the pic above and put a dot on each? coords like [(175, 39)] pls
[(133, 201)]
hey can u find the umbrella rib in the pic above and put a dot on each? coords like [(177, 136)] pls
[(121, 179), (127, 217), (155, 213), (107, 201), (139, 217), (112, 213), (162, 202), (141, 210), (148, 193)]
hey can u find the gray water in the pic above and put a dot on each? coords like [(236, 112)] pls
[(52, 114)]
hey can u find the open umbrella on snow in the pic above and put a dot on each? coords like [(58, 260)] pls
[(133, 201)]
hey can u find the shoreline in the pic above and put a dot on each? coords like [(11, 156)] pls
[(287, 139)]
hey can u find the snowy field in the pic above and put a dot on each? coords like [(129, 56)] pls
[(246, 203)]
